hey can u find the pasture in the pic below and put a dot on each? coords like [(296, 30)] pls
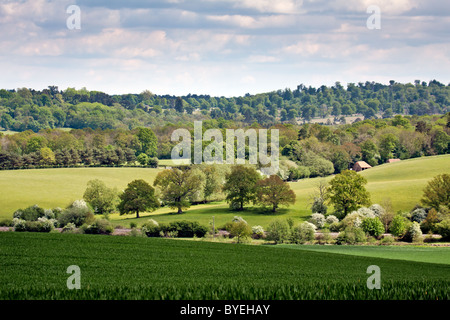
[(401, 182)]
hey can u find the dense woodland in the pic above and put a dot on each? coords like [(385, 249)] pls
[(307, 150), (27, 109)]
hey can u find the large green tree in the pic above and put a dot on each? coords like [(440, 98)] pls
[(180, 187), (347, 192), (437, 192), (240, 186), (148, 141), (101, 198), (139, 196), (274, 192)]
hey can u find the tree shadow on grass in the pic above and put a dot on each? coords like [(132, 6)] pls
[(263, 211)]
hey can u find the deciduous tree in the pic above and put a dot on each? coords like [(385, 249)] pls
[(240, 186), (437, 192), (347, 192), (179, 187), (274, 192), (101, 198), (139, 196)]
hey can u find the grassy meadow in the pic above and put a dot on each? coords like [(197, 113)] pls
[(121, 268), (428, 254), (401, 182)]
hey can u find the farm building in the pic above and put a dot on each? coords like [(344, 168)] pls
[(361, 165), (392, 160)]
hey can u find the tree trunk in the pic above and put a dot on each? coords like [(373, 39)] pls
[(274, 208), (137, 213), (179, 210)]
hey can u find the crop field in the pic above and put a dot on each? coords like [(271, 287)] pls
[(34, 267), (408, 253)]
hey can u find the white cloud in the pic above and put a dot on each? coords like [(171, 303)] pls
[(225, 47), (263, 59), (387, 6), (270, 6)]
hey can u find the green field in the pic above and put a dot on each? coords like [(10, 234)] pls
[(401, 182), (408, 253), (34, 267), (50, 188)]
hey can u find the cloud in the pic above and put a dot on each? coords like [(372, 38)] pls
[(269, 6), (224, 47)]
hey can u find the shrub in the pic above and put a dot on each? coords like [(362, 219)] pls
[(319, 206), (335, 227), (443, 228), (352, 220), (258, 232), (69, 228), (79, 204), (430, 222), (6, 223), (240, 230), (100, 226), (133, 225), (57, 212), (31, 213), (351, 235), (187, 229), (303, 232), (318, 220), (387, 239), (151, 228), (48, 213), (168, 234), (180, 229), (366, 213), (278, 231), (373, 226), (51, 222), (300, 172), (331, 219), (414, 233), (152, 162), (377, 210), (325, 237), (21, 225), (200, 231), (238, 219), (136, 233), (78, 215), (18, 224), (418, 215), (227, 226), (398, 226)]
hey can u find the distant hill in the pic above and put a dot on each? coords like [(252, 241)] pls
[(28, 109), (401, 182)]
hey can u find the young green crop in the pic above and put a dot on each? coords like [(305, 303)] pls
[(34, 267)]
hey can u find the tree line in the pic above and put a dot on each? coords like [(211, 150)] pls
[(28, 109), (307, 150), (242, 185), (179, 188)]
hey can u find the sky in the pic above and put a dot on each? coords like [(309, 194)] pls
[(220, 48)]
